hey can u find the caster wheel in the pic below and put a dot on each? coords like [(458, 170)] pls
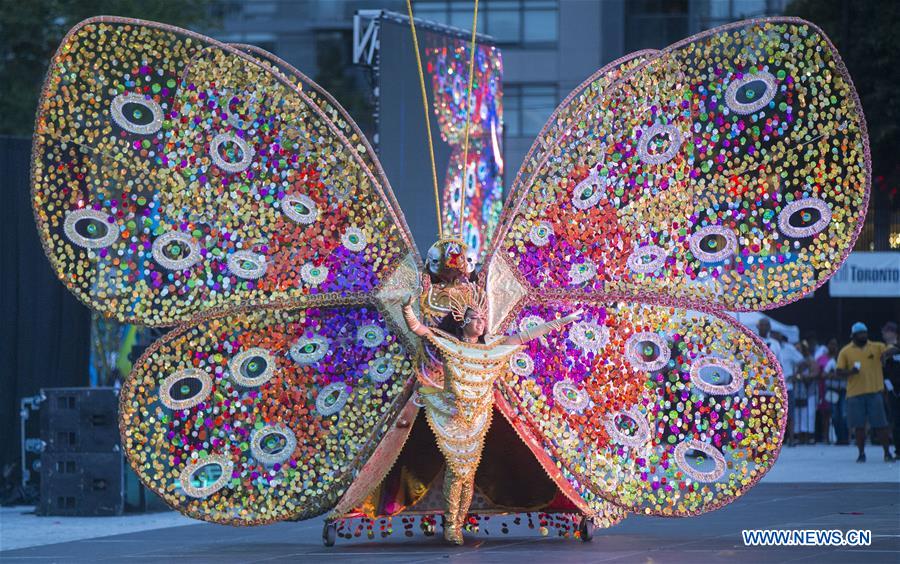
[(329, 533), (586, 529)]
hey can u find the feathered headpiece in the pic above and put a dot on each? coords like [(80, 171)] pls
[(468, 296)]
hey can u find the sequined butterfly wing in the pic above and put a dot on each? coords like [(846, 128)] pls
[(187, 175), (656, 408), (572, 113), (264, 414), (730, 169), (336, 113)]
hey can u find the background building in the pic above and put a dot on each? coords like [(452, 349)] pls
[(549, 46)]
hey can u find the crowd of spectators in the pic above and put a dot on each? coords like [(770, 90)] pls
[(834, 391)]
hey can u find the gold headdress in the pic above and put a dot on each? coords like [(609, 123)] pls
[(468, 296)]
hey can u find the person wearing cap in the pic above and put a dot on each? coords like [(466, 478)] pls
[(861, 363), (892, 380)]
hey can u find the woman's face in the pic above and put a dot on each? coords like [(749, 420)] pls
[(475, 324)]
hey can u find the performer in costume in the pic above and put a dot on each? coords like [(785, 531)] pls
[(460, 415), (214, 187)]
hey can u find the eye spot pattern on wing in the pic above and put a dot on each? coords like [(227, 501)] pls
[(570, 397), (628, 427), (665, 139), (589, 336), (682, 451), (230, 153), (247, 265), (314, 274), (273, 444), (136, 113), (716, 376), (252, 368), (90, 229), (381, 369), (540, 233), (520, 363), (309, 350), (804, 218), (185, 389), (751, 92), (176, 250), (647, 259), (582, 272), (332, 398), (647, 351), (300, 208), (530, 322), (203, 477), (371, 336), (713, 243), (588, 192), (354, 239)]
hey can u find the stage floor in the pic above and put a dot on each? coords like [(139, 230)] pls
[(714, 537)]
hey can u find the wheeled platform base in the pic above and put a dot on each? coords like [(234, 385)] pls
[(329, 533), (330, 530), (586, 529)]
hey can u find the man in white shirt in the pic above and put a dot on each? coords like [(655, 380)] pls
[(765, 332), (764, 327)]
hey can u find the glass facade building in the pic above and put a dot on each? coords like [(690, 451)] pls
[(549, 46)]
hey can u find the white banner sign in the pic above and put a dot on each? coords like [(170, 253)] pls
[(867, 275)]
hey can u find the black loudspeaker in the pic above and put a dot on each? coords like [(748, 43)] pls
[(80, 420), (82, 468), (84, 484)]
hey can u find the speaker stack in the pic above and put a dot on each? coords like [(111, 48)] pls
[(82, 468)]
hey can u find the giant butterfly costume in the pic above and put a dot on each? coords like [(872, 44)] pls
[(179, 181)]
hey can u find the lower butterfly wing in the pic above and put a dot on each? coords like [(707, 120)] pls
[(260, 415), (659, 409)]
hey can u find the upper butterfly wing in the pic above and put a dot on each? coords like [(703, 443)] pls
[(572, 113), (657, 408), (174, 174), (333, 111), (731, 169), (265, 414)]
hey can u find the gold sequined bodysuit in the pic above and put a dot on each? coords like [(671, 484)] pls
[(460, 414)]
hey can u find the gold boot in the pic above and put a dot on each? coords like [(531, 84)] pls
[(452, 534)]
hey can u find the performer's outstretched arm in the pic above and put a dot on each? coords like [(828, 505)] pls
[(532, 333), (413, 322)]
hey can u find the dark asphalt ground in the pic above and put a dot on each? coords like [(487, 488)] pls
[(714, 537)]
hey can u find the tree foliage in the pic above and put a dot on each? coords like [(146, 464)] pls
[(31, 30), (867, 34)]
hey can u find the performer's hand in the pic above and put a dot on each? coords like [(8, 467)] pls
[(410, 300)]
